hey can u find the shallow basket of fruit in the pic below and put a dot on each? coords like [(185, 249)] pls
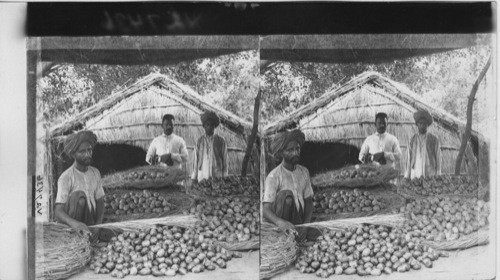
[(448, 223), (366, 250), (278, 250), (226, 186), (233, 222), (144, 177), (347, 203), (61, 252), (124, 205), (364, 175), (442, 185), (159, 251)]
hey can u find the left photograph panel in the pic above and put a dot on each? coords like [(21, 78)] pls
[(144, 154)]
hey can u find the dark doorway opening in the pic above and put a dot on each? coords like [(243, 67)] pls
[(320, 157), (117, 157)]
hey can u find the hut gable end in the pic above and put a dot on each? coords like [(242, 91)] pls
[(347, 115), (132, 116)]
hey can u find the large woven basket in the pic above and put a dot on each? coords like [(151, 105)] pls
[(334, 179), (204, 188), (278, 250), (179, 199), (252, 244), (392, 200), (478, 238), (122, 179), (60, 251), (409, 194)]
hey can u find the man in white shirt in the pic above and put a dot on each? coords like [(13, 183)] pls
[(79, 201), (287, 191), (168, 149), (380, 147), (210, 157)]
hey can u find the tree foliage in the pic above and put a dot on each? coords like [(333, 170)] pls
[(229, 81), (443, 79)]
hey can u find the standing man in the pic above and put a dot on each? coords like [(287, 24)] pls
[(381, 147), (424, 152), (210, 157), (168, 149), (288, 193), (79, 201)]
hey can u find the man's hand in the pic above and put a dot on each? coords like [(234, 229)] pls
[(80, 228), (302, 231), (165, 158), (285, 225), (379, 157), (154, 160)]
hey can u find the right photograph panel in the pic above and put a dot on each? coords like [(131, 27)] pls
[(375, 156)]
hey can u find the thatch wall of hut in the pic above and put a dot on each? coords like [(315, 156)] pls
[(347, 115), (132, 117), (136, 121)]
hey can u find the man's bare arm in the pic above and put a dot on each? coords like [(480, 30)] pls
[(308, 209), (63, 217), (99, 210), (270, 216)]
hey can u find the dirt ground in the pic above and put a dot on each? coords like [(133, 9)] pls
[(243, 268), (474, 263)]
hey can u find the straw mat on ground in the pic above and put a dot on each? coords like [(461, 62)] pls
[(137, 225), (181, 201), (122, 179), (278, 250), (334, 178), (478, 238), (61, 252), (392, 220), (252, 244)]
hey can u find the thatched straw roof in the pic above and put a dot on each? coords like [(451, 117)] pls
[(347, 114), (133, 116)]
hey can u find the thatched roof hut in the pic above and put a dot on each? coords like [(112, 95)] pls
[(337, 123), (130, 118)]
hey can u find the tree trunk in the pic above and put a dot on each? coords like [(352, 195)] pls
[(468, 126), (253, 135)]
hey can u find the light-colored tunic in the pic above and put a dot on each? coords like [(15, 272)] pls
[(297, 181), (386, 143), (209, 166), (422, 166), (75, 180), (165, 144)]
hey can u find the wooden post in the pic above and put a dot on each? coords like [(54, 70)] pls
[(263, 173), (253, 135), (468, 126)]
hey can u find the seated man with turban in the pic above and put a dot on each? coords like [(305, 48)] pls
[(79, 201), (210, 157), (424, 151), (288, 192), (168, 149)]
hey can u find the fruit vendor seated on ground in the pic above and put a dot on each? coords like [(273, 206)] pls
[(288, 192), (168, 149), (424, 152), (80, 196), (210, 157), (381, 146)]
